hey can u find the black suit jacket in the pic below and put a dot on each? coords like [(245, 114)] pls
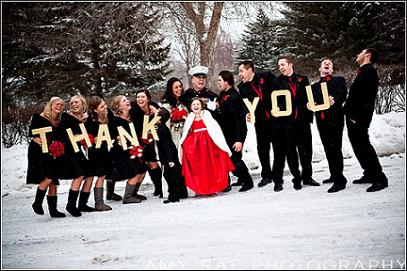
[(337, 89), (261, 81), (299, 102), (362, 95), (231, 116)]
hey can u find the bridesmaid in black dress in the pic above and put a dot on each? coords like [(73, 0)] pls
[(44, 168), (98, 157), (139, 108), (125, 164), (77, 168)]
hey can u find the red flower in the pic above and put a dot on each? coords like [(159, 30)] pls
[(178, 115), (261, 81), (136, 151), (56, 148), (299, 79), (91, 138), (149, 139)]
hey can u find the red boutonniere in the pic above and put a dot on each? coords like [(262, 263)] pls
[(299, 79), (136, 151), (56, 149), (261, 81), (92, 141)]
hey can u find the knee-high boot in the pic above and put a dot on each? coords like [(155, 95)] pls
[(156, 176), (39, 198), (52, 207), (71, 206), (99, 203), (83, 201)]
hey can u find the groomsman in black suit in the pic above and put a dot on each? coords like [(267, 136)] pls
[(359, 109), (231, 117), (258, 84), (330, 122), (292, 134)]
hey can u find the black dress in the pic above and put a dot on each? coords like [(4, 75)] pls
[(44, 165), (137, 117), (99, 159), (123, 167), (78, 163)]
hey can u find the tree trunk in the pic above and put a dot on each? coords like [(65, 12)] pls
[(206, 42)]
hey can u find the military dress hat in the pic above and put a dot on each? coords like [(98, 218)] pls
[(198, 70)]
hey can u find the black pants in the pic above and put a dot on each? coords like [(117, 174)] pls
[(364, 151), (241, 171), (331, 138), (300, 145), (173, 177), (280, 138), (263, 136)]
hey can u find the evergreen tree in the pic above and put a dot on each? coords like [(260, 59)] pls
[(63, 48), (340, 30), (259, 43)]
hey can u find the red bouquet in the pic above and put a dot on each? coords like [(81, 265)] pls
[(178, 115), (136, 151), (83, 142), (56, 148)]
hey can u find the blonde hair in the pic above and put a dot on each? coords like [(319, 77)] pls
[(83, 101), (48, 106), (115, 104), (48, 109)]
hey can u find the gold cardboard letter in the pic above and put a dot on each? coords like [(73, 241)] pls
[(42, 132), (76, 138), (149, 126), (251, 107), (124, 134), (325, 95), (104, 135), (275, 111)]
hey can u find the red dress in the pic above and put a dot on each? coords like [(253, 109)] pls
[(204, 165)]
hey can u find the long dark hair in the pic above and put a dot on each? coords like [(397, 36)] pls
[(168, 96)]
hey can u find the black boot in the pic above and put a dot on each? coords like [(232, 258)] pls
[(135, 193), (172, 197), (182, 188), (71, 206), (110, 194), (156, 176), (52, 207), (39, 198), (83, 201)]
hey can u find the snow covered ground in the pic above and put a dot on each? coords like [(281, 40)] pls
[(259, 229)]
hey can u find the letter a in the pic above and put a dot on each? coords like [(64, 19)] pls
[(104, 135)]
